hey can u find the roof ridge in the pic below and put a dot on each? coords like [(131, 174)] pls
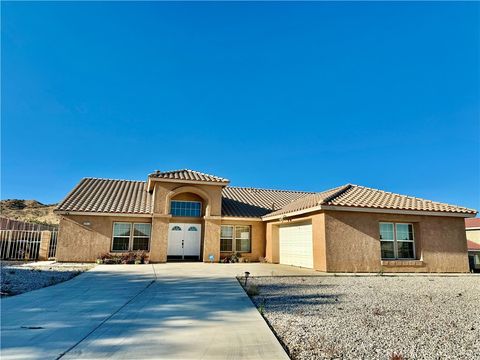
[(254, 188), (341, 189), (109, 179)]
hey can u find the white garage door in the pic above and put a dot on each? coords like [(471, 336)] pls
[(296, 247)]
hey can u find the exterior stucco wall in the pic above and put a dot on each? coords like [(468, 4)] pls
[(353, 243), (257, 236), (473, 235), (212, 192), (78, 242)]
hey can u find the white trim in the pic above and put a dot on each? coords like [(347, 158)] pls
[(395, 241), (370, 210), (101, 214), (131, 237)]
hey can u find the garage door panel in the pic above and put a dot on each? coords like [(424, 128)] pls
[(296, 246)]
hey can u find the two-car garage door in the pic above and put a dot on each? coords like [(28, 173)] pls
[(296, 247)]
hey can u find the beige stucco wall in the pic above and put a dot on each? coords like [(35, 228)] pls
[(77, 242), (349, 242), (353, 243), (211, 195), (473, 235), (257, 235)]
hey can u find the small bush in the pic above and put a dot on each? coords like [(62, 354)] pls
[(253, 290), (378, 312), (396, 356)]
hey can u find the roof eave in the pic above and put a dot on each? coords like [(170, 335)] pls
[(369, 210), (93, 213)]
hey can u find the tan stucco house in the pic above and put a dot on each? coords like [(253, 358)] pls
[(472, 228), (188, 215)]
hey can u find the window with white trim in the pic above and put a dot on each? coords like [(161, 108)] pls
[(235, 238), (397, 241), (131, 236)]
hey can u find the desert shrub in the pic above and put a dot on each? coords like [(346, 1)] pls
[(253, 290)]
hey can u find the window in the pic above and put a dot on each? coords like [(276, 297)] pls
[(239, 233), (192, 228), (186, 208), (124, 239), (397, 241), (141, 236)]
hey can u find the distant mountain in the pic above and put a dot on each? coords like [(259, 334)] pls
[(29, 211)]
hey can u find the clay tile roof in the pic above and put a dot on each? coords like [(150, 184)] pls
[(472, 223), (473, 245), (189, 175), (108, 196), (364, 197), (251, 202), (308, 202)]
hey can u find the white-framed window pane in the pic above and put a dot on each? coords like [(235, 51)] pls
[(141, 236), (404, 232), (242, 238), (122, 229), (140, 243), (120, 243), (243, 245), (388, 251), (386, 232), (142, 230), (226, 245), (405, 249), (226, 231)]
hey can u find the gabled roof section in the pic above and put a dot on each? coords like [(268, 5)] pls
[(309, 202), (251, 202), (108, 196), (361, 197), (189, 176)]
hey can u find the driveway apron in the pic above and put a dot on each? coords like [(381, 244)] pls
[(177, 311)]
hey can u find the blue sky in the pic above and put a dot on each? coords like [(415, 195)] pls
[(277, 95)]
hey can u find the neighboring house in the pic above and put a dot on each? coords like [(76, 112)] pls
[(472, 228), (189, 215)]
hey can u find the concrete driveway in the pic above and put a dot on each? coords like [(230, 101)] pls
[(162, 311)]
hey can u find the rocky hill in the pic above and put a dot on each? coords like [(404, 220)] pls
[(29, 211)]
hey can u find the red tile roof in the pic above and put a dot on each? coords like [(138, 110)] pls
[(473, 245), (363, 197), (472, 223)]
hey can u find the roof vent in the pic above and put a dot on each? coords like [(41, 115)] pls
[(273, 206), (157, 172)]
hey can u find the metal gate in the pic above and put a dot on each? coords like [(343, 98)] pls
[(20, 244)]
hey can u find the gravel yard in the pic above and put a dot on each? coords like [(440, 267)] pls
[(18, 277), (373, 317)]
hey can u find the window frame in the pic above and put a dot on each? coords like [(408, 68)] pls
[(396, 241), (187, 201), (131, 237), (234, 239)]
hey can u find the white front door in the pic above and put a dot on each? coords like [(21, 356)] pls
[(296, 246), (184, 241)]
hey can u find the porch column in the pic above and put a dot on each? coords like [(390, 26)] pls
[(159, 238), (211, 238)]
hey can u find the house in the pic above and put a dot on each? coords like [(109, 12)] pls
[(189, 215), (472, 228)]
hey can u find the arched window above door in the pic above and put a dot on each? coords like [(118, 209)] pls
[(192, 228), (176, 228)]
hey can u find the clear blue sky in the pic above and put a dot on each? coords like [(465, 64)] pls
[(278, 95)]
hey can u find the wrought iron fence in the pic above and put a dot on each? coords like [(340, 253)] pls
[(20, 244), (52, 251)]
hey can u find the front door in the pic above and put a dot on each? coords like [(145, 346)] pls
[(184, 241)]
